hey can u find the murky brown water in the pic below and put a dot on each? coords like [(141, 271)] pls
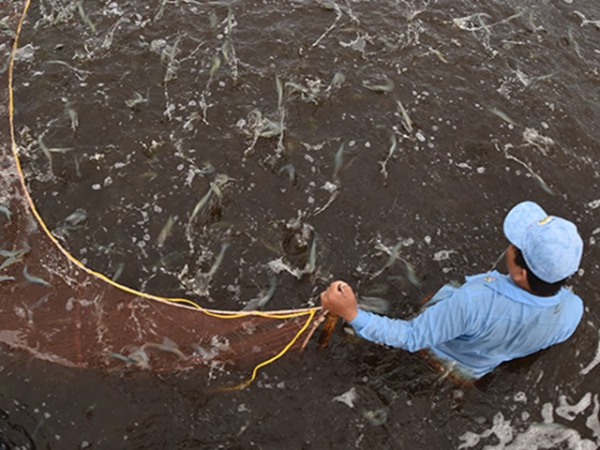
[(341, 127)]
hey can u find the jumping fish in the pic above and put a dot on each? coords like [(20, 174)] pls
[(4, 210), (33, 279), (411, 275), (394, 254), (408, 124), (387, 87), (124, 358), (218, 260), (279, 87), (312, 258), (258, 303), (215, 66), (201, 204), (136, 100), (338, 79), (502, 115), (291, 171), (168, 346), (390, 153), (166, 231), (85, 17), (338, 160)]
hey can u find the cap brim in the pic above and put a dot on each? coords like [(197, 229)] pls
[(519, 218)]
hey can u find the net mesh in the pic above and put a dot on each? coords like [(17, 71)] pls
[(61, 311)]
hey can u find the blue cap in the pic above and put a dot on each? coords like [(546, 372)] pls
[(551, 246)]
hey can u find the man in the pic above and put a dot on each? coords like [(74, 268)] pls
[(492, 318)]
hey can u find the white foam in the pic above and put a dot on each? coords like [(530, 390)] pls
[(348, 398), (594, 362), (592, 421), (570, 412)]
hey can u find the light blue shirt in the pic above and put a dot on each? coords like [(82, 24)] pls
[(480, 324)]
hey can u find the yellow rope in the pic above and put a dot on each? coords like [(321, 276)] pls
[(213, 313), (274, 358)]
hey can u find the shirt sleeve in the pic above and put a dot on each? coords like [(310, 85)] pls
[(446, 320)]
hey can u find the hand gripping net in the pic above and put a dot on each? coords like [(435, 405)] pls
[(57, 309)]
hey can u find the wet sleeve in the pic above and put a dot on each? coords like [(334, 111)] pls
[(441, 322)]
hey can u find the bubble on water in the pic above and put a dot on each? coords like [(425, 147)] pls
[(443, 255), (520, 397)]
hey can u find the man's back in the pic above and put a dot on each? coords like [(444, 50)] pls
[(503, 321)]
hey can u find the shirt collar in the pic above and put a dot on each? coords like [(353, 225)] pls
[(504, 285)]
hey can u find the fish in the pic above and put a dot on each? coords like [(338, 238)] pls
[(45, 150), (201, 204), (77, 217), (394, 254), (161, 10), (61, 149), (439, 55), (388, 44), (218, 260), (207, 169), (12, 257), (312, 258), (216, 189), (33, 279), (279, 87), (258, 303), (77, 168), (337, 80), (85, 17), (539, 78), (376, 305), (136, 100), (140, 357), (205, 354), (270, 128), (150, 176), (542, 183), (328, 5), (79, 73), (390, 153), (291, 171), (169, 259), (407, 122), (377, 417), (502, 115), (338, 160), (215, 66), (213, 20), (411, 275), (166, 231), (387, 87), (6, 278), (484, 26), (40, 301), (4, 210), (124, 358), (167, 346), (73, 117), (118, 272)]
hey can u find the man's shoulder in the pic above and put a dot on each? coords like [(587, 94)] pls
[(484, 281), (571, 300)]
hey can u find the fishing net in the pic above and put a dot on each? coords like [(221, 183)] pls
[(59, 310)]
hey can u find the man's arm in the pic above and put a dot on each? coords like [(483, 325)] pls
[(441, 322)]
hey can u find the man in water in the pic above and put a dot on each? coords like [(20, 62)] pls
[(491, 318)]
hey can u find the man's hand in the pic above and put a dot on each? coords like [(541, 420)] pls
[(340, 299)]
